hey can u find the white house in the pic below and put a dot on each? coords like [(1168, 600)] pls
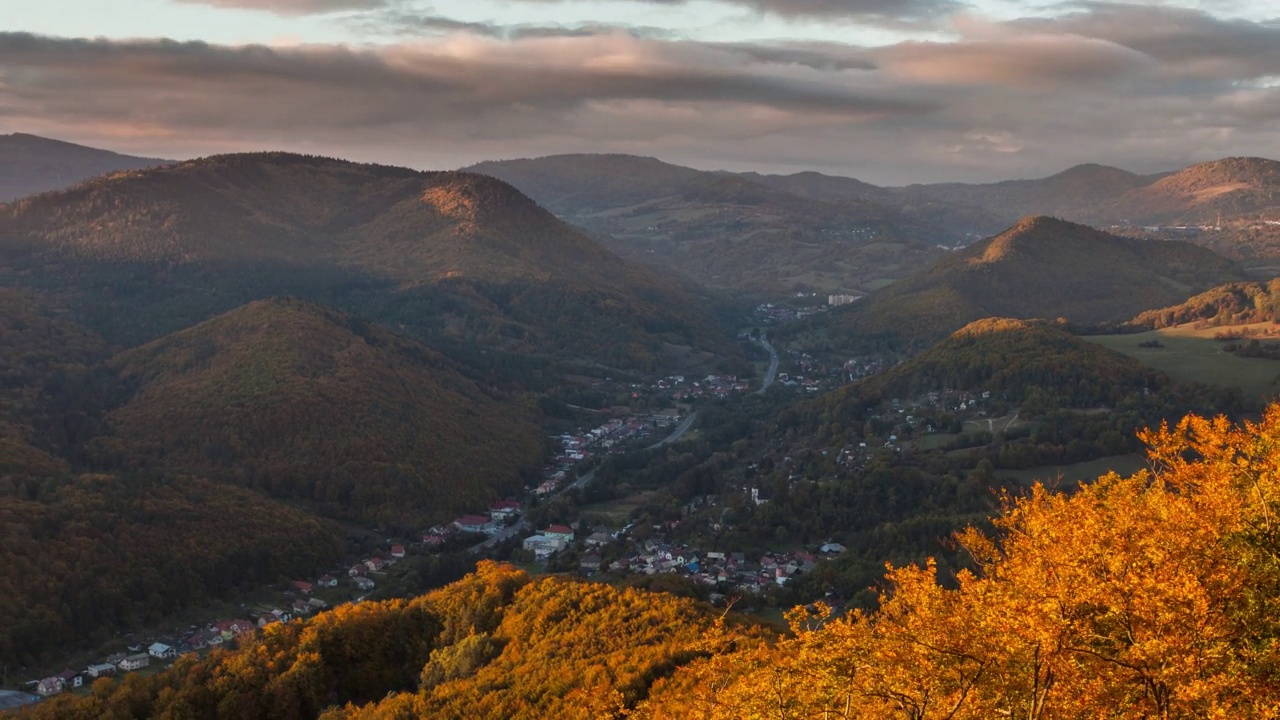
[(100, 669), (135, 662), (51, 685), (161, 651), (544, 546)]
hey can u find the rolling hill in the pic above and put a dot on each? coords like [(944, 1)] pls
[(30, 164), (1039, 268), (743, 232), (1068, 194), (1238, 187), (306, 403), (452, 256)]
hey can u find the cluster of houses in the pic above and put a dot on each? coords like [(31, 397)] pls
[(731, 571), (773, 314), (716, 386), (548, 542), (359, 573), (138, 658)]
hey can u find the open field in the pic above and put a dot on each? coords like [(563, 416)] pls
[(1192, 355), (618, 512), (933, 441), (993, 425), (1080, 472)]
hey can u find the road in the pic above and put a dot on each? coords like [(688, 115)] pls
[(676, 434), (772, 373), (769, 376)]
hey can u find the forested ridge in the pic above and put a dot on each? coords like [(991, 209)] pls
[(135, 484), (1148, 596), (444, 255)]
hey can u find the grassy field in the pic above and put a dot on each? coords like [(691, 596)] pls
[(1050, 474), (933, 441), (618, 512), (994, 425), (1192, 355)]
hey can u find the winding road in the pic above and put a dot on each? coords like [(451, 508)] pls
[(772, 372)]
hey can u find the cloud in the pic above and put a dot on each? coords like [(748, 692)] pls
[(293, 7), (1006, 99)]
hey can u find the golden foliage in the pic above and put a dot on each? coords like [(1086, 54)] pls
[(1151, 596)]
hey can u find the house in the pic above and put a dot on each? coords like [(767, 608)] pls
[(135, 662), (374, 564), (231, 628), (561, 531), (597, 539), (832, 548), (71, 678), (503, 510), (472, 523), (51, 685), (198, 641), (300, 607), (303, 586), (160, 651), (544, 546), (397, 551), (317, 604), (364, 583), (98, 670), (357, 570), (327, 581), (590, 563)]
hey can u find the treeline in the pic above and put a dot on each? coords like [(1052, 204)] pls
[(1231, 304)]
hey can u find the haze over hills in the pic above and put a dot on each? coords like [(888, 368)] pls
[(30, 164), (1039, 268), (446, 255), (305, 403), (1069, 194), (739, 232)]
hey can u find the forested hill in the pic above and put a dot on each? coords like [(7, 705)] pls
[(1230, 304), (1154, 595), (1039, 268), (30, 164), (446, 255), (306, 403)]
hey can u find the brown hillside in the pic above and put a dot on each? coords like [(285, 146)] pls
[(304, 402), (1232, 187)]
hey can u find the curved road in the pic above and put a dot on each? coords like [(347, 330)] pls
[(772, 372)]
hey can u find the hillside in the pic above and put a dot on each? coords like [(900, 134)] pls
[(305, 403), (85, 557), (740, 232), (1152, 593), (1067, 194), (1231, 304), (30, 164), (455, 256), (1238, 187), (497, 644), (1039, 268)]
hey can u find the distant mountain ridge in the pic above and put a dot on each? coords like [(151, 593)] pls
[(454, 255), (30, 164), (1202, 194), (1039, 268), (740, 232)]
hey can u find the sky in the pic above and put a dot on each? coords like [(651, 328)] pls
[(888, 91)]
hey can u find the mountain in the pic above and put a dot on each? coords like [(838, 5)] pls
[(742, 232), (30, 164), (306, 403), (1039, 268), (1068, 194), (458, 257), (1237, 187)]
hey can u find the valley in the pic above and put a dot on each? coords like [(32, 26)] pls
[(281, 400)]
